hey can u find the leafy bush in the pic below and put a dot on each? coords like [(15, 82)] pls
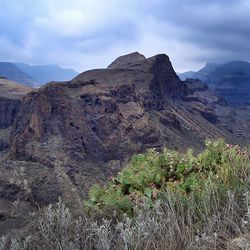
[(149, 176)]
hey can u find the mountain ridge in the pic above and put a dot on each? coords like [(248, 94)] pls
[(47, 73), (12, 72), (35, 75), (230, 80)]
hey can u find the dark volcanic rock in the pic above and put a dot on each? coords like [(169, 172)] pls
[(8, 111), (196, 85), (154, 80), (216, 109)]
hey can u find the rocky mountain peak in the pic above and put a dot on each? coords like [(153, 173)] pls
[(153, 77), (126, 60)]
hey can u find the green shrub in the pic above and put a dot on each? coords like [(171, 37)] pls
[(149, 176)]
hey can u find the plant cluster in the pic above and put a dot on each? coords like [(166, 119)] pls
[(149, 176)]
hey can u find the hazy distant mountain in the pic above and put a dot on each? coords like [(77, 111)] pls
[(47, 73), (189, 74), (202, 74), (12, 72), (35, 75), (230, 80)]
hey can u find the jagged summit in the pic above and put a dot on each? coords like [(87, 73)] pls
[(154, 75), (126, 60)]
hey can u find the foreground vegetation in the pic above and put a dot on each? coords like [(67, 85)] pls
[(161, 200)]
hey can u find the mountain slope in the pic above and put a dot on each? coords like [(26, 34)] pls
[(230, 80), (12, 72), (47, 73), (11, 89)]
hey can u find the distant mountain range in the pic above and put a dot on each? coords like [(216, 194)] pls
[(229, 80), (35, 75), (47, 73), (12, 72)]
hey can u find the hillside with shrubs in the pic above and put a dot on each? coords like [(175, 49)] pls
[(160, 200)]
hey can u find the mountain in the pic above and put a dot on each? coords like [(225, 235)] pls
[(12, 72), (69, 135), (201, 74), (47, 73), (230, 80), (189, 74), (35, 75)]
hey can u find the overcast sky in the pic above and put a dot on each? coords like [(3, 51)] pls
[(86, 34)]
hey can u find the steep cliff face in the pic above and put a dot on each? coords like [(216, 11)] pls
[(11, 94), (8, 111), (154, 79)]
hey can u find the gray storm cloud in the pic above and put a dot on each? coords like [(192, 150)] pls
[(86, 35)]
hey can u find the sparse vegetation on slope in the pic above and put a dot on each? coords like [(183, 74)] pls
[(161, 200)]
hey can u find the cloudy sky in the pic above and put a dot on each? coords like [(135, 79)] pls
[(86, 34)]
